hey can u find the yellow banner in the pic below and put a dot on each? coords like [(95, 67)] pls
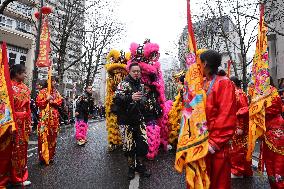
[(260, 91), (193, 138), (6, 101)]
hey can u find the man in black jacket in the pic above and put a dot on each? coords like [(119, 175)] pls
[(129, 110), (84, 108)]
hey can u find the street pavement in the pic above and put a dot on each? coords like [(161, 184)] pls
[(92, 166)]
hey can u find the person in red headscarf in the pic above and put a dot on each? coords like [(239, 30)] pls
[(48, 125), (21, 97), (240, 166), (221, 120)]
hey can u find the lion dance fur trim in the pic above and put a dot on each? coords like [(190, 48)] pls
[(174, 120), (116, 69), (81, 130), (151, 74)]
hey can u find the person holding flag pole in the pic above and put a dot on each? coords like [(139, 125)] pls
[(208, 120), (265, 110), (48, 99)]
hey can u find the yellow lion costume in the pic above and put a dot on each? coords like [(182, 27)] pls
[(175, 112), (116, 69)]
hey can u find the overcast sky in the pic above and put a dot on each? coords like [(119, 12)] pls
[(162, 21)]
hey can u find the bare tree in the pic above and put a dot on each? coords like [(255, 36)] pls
[(4, 5), (67, 27), (102, 31), (234, 24)]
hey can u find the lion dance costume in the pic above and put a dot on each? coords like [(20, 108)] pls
[(175, 112), (147, 56), (116, 69)]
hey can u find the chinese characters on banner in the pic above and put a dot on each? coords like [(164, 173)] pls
[(43, 56)]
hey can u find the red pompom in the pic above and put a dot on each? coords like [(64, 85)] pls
[(37, 15), (46, 10)]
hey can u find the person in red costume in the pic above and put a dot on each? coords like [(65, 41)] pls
[(21, 97), (49, 124), (273, 148), (240, 167), (221, 120)]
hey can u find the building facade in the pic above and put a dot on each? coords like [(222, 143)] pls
[(16, 29), (276, 41), (208, 36)]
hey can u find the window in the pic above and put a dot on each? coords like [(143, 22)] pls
[(9, 23), (23, 60), (12, 59), (2, 20)]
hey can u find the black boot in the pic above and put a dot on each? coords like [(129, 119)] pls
[(131, 173), (141, 168), (131, 168)]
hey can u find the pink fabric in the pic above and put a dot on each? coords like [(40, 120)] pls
[(147, 70), (133, 48), (163, 121), (153, 139), (81, 130), (149, 48)]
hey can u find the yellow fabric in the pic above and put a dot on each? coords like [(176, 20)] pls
[(193, 138), (116, 73), (174, 119), (6, 111), (260, 91), (111, 119), (113, 55), (46, 113)]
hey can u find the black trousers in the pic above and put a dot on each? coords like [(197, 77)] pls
[(134, 138)]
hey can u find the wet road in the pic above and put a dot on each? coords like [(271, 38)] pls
[(92, 166)]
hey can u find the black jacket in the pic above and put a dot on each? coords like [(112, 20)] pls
[(152, 110), (84, 106), (127, 110)]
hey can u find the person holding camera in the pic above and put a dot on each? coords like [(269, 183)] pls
[(129, 111)]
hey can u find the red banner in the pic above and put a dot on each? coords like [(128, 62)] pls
[(44, 50)]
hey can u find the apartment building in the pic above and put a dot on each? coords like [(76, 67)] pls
[(16, 29)]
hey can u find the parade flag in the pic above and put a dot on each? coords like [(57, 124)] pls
[(260, 90), (6, 102), (46, 113), (193, 137), (44, 61), (44, 50)]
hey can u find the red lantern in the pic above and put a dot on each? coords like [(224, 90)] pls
[(46, 10), (37, 15)]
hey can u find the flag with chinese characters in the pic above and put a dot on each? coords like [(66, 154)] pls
[(6, 101), (193, 138), (44, 61), (44, 49), (260, 90)]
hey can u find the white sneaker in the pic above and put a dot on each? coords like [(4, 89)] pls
[(237, 177), (27, 183)]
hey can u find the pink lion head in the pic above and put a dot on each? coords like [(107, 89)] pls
[(149, 48), (133, 48)]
